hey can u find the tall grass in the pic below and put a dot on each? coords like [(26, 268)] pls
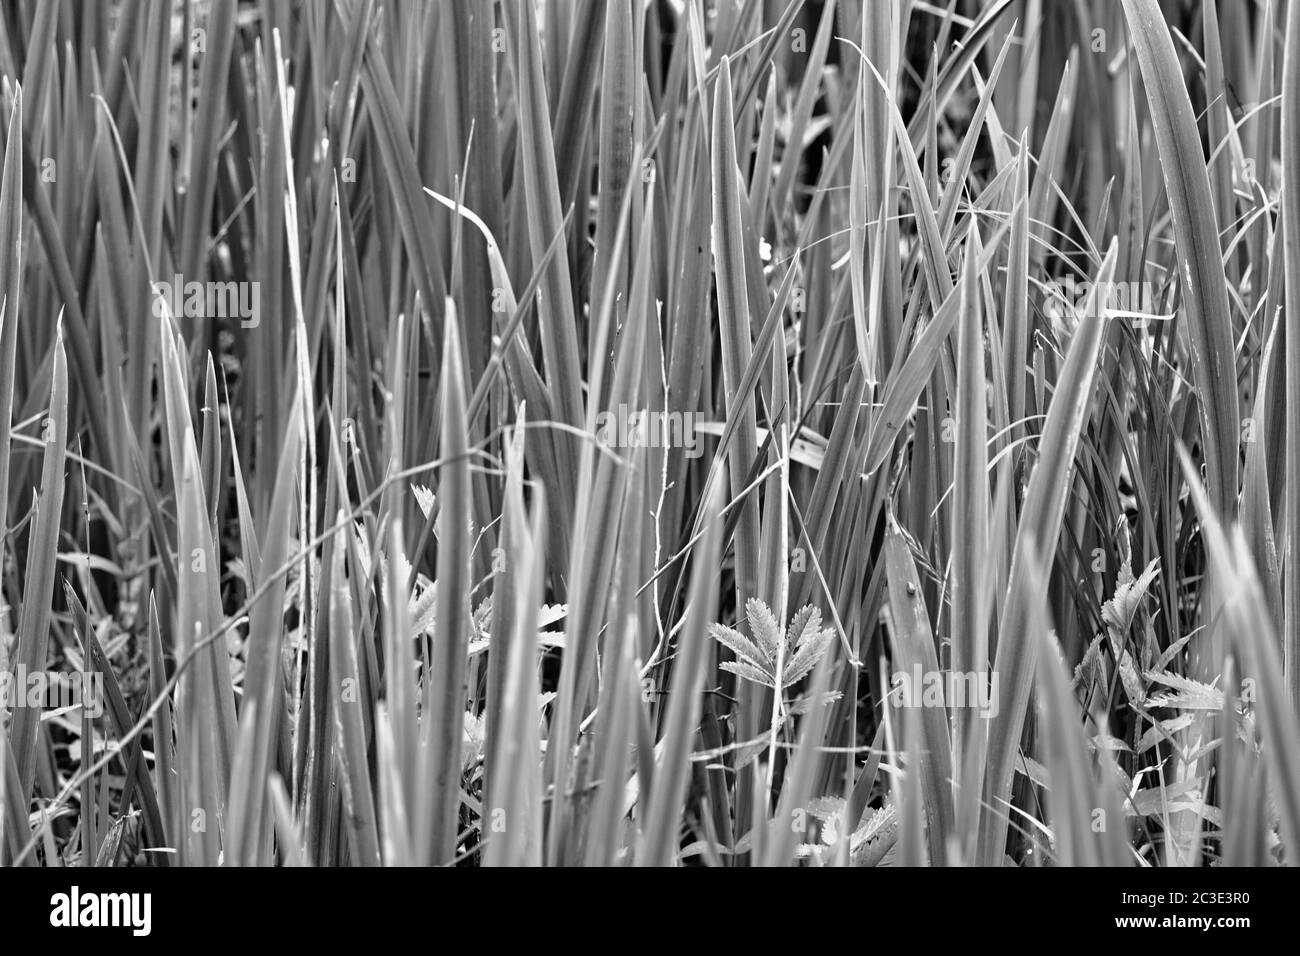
[(957, 528)]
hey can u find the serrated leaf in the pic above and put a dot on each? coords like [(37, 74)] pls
[(747, 671), (766, 630), (807, 658), (1188, 694), (424, 498), (1119, 611), (804, 626), (804, 704), (739, 645)]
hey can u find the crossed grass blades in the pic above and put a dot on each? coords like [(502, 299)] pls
[(364, 588)]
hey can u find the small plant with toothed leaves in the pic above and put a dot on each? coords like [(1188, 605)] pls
[(770, 659)]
